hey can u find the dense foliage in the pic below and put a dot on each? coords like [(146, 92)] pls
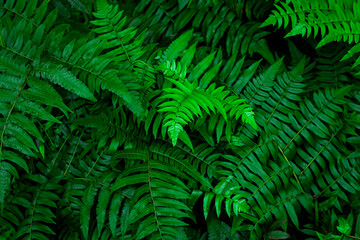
[(179, 119)]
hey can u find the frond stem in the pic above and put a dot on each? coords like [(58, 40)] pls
[(94, 164), (72, 157), (308, 122), (296, 177), (57, 154), (335, 181), (312, 160), (152, 197)]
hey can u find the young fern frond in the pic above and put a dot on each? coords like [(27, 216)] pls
[(191, 100)]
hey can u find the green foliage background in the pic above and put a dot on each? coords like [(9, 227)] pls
[(179, 119)]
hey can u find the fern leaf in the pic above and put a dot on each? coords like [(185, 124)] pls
[(111, 82), (201, 67), (153, 206), (63, 77), (175, 48), (5, 180), (44, 93)]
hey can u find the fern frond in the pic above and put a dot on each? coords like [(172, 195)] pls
[(159, 189), (110, 26), (234, 200), (257, 90), (324, 112), (27, 12), (175, 48), (40, 215), (334, 21), (185, 161), (60, 75), (189, 99), (113, 129)]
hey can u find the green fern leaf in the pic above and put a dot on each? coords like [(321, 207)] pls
[(175, 48), (5, 180), (201, 67), (63, 77)]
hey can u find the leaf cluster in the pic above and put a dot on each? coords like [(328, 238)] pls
[(179, 119)]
